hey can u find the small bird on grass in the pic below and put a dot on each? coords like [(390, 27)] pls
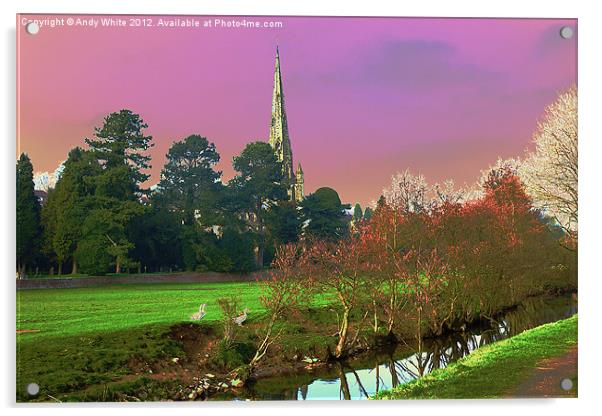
[(199, 315), (241, 318)]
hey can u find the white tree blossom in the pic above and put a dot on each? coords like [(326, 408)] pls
[(550, 172), (448, 193), (412, 193), (407, 192)]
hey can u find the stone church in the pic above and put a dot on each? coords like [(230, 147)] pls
[(280, 140)]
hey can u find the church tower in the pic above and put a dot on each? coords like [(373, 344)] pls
[(280, 140)]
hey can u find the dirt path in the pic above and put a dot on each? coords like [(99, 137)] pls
[(545, 380)]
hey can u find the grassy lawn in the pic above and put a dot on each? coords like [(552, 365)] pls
[(87, 336), (64, 312), (494, 370)]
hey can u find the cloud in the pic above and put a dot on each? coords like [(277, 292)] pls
[(410, 65), (421, 64)]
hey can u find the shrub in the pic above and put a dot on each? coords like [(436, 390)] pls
[(233, 354)]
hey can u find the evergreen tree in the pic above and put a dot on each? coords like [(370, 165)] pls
[(257, 187), (189, 182), (67, 207), (28, 215), (191, 189), (105, 241), (283, 223), (118, 148), (357, 212), (120, 141), (157, 239), (382, 202), (368, 213), (325, 215)]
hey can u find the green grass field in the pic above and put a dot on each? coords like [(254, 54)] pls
[(494, 370), (64, 312), (86, 337)]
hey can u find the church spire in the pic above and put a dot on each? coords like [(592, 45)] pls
[(299, 186), (280, 140), (279, 137)]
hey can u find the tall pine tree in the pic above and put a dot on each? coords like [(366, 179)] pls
[(257, 186), (68, 205), (119, 148), (121, 141), (28, 216)]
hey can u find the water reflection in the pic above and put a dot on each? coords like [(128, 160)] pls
[(367, 376)]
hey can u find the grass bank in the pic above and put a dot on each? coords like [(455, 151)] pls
[(494, 370), (76, 343)]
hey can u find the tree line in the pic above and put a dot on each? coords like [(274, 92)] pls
[(429, 269), (98, 219)]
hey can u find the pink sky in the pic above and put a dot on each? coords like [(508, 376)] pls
[(365, 97)]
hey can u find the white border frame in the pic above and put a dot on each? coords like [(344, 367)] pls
[(590, 68)]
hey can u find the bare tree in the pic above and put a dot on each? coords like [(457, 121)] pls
[(341, 268), (283, 291), (447, 193), (408, 192), (412, 194)]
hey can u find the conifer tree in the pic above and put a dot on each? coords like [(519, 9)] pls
[(28, 215), (357, 212), (68, 205), (189, 182), (121, 141)]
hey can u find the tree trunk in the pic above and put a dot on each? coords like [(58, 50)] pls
[(117, 266), (375, 317), (259, 256), (343, 334), (263, 347), (60, 268), (74, 267), (392, 303), (419, 334)]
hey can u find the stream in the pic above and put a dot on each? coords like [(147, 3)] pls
[(386, 368)]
